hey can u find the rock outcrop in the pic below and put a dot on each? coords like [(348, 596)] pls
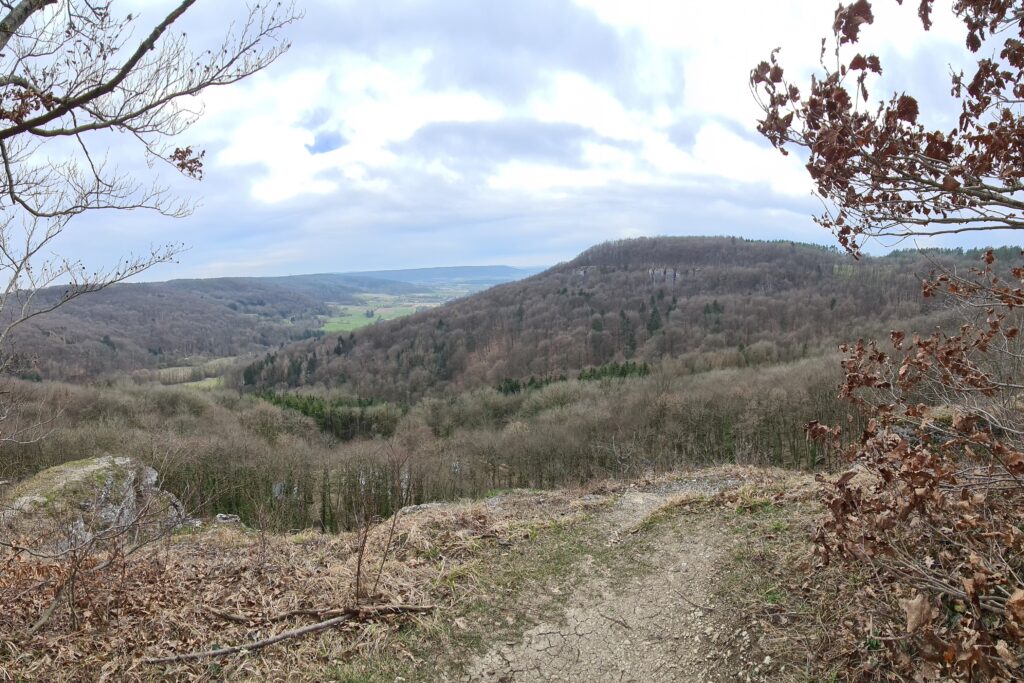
[(95, 499)]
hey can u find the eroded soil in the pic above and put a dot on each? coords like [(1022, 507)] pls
[(651, 617)]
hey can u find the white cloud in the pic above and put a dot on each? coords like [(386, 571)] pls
[(639, 114), (719, 151), (573, 98), (372, 104)]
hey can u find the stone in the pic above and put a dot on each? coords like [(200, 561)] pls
[(95, 498), (413, 509)]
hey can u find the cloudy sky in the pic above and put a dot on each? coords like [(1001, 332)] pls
[(406, 133)]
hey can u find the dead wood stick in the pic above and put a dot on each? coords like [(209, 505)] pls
[(255, 645), (48, 613), (311, 612), (692, 603), (319, 612), (620, 622), (348, 615), (361, 612)]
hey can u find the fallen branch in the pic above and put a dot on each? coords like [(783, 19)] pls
[(48, 613), (356, 613), (318, 612), (314, 612), (620, 622)]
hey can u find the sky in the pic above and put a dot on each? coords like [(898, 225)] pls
[(414, 133)]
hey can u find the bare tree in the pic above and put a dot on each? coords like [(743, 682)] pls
[(73, 77)]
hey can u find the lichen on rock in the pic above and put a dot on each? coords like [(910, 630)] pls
[(90, 499)]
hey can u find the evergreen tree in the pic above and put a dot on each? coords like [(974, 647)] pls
[(654, 322)]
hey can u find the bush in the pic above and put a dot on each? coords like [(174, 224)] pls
[(935, 505)]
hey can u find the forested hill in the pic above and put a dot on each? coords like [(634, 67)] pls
[(710, 302), (150, 325)]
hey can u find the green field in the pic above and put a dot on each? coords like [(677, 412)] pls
[(208, 383), (375, 308)]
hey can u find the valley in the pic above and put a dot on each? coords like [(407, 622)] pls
[(613, 385), (190, 330), (552, 341), (431, 287), (639, 356), (707, 302), (375, 308)]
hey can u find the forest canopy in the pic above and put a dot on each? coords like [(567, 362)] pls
[(712, 302)]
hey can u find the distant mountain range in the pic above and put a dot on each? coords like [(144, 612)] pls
[(474, 276)]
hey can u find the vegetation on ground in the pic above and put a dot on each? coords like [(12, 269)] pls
[(483, 572), (637, 358), (283, 467), (344, 418), (225, 585)]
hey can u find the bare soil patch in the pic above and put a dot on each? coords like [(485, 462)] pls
[(652, 617)]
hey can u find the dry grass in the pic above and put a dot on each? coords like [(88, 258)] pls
[(478, 562), (772, 587), (755, 487), (224, 586)]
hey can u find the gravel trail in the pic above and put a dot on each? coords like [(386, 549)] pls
[(655, 624)]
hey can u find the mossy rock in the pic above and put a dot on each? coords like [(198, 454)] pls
[(90, 499)]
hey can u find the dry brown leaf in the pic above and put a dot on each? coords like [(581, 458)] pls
[(1003, 650), (1015, 605), (918, 612)]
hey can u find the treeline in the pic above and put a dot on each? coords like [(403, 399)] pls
[(712, 303), (345, 418), (615, 371), (611, 370), (514, 386), (269, 460)]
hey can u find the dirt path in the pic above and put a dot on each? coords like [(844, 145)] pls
[(654, 621)]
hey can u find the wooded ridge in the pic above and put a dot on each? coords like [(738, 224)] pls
[(712, 302)]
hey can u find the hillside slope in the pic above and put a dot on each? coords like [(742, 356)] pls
[(148, 325), (712, 302)]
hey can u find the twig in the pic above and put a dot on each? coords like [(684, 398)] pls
[(295, 633), (692, 603), (348, 615), (48, 613), (620, 622), (318, 612), (394, 519), (364, 536), (230, 616)]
